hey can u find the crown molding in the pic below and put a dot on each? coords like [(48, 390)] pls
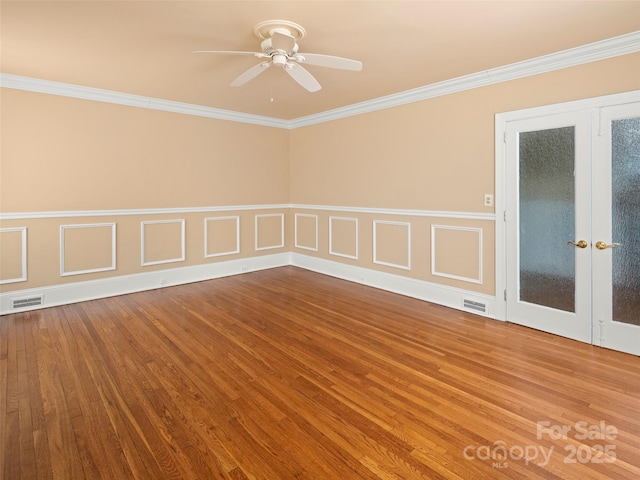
[(602, 50), (108, 96)]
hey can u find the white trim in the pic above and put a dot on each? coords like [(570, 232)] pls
[(280, 206), (64, 294), (315, 248), (337, 254), (270, 247), (398, 211), (433, 253), (501, 120), (23, 277), (375, 236), (68, 293), (631, 96), (206, 236), (147, 211), (592, 52), (64, 273), (182, 257), (421, 289), (500, 144), (109, 96)]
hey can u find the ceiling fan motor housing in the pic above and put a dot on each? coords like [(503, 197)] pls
[(279, 59), (284, 44)]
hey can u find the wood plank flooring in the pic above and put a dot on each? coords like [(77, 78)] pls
[(284, 374)]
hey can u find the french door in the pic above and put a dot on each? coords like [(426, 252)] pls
[(572, 215)]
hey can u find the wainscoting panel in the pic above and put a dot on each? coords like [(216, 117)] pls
[(306, 231), (392, 244), (389, 249), (401, 242), (162, 241), (269, 231), (343, 237), (221, 236), (80, 246), (456, 252), (13, 255), (87, 248)]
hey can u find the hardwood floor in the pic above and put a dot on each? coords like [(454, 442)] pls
[(285, 374)]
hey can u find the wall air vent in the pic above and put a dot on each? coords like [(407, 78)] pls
[(474, 306), (27, 301)]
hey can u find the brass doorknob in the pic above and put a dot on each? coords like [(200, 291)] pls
[(579, 244), (603, 245)]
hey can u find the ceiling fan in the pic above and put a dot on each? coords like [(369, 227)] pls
[(279, 47)]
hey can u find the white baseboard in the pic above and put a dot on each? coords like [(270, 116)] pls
[(411, 287), (68, 293)]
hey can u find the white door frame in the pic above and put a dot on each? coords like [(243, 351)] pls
[(501, 120)]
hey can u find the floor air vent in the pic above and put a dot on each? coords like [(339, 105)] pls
[(475, 306), (27, 302)]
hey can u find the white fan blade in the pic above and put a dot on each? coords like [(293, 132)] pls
[(328, 61), (302, 76), (250, 74), (280, 41), (233, 52)]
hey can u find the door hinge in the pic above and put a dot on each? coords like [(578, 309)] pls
[(599, 121), (504, 136), (601, 325), (505, 294), (504, 216)]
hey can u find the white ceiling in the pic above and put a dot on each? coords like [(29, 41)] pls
[(144, 47)]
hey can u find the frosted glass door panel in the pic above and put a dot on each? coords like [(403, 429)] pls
[(625, 183), (547, 218), (547, 206), (572, 220)]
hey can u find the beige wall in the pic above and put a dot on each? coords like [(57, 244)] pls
[(434, 155), (437, 156), (61, 153)]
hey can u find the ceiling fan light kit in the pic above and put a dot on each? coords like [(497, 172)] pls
[(280, 47)]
